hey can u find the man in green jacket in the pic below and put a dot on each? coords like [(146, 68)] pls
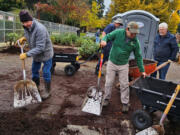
[(124, 42)]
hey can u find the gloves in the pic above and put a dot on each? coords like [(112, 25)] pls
[(23, 56), (22, 40)]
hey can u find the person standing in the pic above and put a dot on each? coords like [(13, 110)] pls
[(124, 42), (165, 48), (109, 28), (41, 50), (97, 35)]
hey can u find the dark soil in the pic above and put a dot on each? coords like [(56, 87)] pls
[(65, 50), (63, 107), (16, 50), (11, 50), (133, 63)]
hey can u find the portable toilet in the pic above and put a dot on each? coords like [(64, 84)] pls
[(148, 25)]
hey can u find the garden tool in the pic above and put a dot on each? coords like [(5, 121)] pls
[(25, 91), (93, 102), (156, 69), (159, 129)]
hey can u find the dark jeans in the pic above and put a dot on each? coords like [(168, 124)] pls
[(46, 69), (106, 51), (162, 71)]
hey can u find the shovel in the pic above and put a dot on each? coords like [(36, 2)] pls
[(93, 102), (25, 91), (159, 129), (156, 69)]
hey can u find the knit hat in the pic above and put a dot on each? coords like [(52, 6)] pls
[(25, 16), (133, 27)]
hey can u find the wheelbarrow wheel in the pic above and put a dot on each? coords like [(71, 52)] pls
[(141, 119), (76, 65), (69, 70)]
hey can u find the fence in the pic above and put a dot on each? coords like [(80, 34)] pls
[(10, 23)]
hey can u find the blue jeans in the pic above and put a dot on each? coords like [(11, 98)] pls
[(97, 40), (106, 51), (162, 71), (46, 69)]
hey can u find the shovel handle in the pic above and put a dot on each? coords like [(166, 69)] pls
[(100, 68), (160, 66), (156, 69), (173, 97), (23, 61)]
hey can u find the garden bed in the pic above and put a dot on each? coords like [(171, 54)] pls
[(63, 107)]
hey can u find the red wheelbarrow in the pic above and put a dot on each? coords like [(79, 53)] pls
[(149, 67)]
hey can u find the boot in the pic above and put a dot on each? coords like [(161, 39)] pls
[(46, 92), (37, 82)]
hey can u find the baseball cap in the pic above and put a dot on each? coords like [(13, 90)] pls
[(133, 27), (118, 20)]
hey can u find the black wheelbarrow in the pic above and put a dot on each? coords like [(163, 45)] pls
[(154, 95), (71, 58)]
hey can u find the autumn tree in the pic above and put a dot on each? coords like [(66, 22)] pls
[(101, 5), (91, 20), (174, 18), (62, 8)]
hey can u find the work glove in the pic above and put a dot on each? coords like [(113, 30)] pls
[(23, 56), (21, 41)]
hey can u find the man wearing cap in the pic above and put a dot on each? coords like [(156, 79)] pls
[(41, 50), (165, 48), (109, 28), (124, 42)]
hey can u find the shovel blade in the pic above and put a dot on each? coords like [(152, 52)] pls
[(148, 131), (93, 104), (25, 93)]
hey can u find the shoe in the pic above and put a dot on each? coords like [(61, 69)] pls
[(125, 108), (106, 102)]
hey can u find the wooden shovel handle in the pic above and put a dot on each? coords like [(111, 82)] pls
[(168, 107), (156, 69), (160, 66)]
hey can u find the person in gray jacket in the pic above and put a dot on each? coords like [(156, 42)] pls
[(41, 50)]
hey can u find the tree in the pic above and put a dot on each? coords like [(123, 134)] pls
[(7, 5), (159, 8), (101, 9), (61, 8), (174, 18), (91, 20)]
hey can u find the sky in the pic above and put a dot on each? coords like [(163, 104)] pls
[(106, 3)]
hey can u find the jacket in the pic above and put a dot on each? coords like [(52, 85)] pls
[(121, 48), (165, 47), (39, 42)]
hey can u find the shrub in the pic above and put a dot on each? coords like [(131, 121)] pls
[(79, 41), (87, 48), (12, 38), (53, 39)]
